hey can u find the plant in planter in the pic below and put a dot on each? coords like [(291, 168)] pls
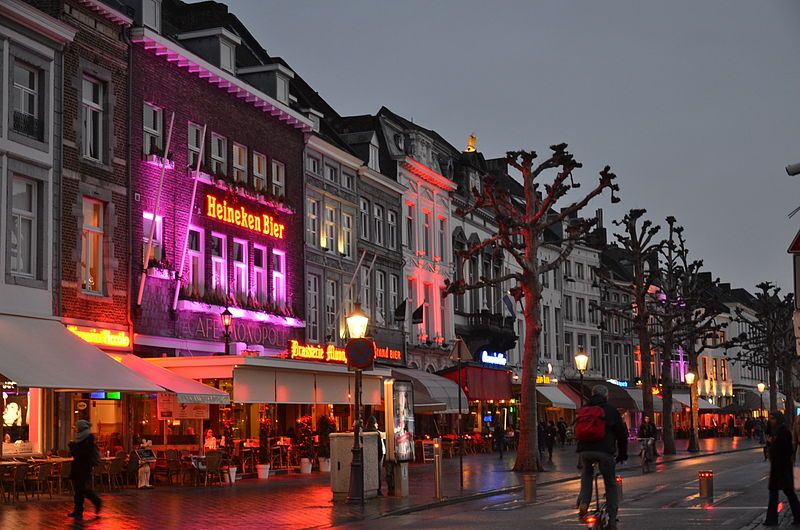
[(305, 443), (325, 426), (264, 433)]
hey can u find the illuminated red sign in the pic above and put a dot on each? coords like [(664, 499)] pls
[(242, 217), (331, 354), (386, 353)]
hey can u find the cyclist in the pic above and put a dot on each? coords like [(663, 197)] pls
[(591, 450), (648, 430)]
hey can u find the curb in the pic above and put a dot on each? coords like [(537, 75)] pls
[(513, 489)]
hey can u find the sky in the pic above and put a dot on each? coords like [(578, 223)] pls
[(695, 105)]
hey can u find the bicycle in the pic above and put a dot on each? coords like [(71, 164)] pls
[(646, 453), (598, 519)]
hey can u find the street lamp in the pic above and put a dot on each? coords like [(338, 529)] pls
[(581, 364), (693, 445), (357, 323), (226, 323), (761, 387)]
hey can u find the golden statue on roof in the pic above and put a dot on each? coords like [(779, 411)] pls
[(472, 142)]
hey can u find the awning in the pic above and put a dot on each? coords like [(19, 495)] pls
[(617, 396), (658, 403), (752, 400), (186, 390), (482, 384), (433, 393), (702, 404), (42, 353), (556, 397)]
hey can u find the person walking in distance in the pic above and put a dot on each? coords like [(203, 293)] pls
[(781, 472), (600, 433), (562, 431), (550, 439), (85, 456)]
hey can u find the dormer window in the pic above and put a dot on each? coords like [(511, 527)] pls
[(374, 163), (227, 57), (151, 14), (216, 45), (282, 89)]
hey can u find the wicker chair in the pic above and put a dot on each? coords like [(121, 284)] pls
[(38, 478), (213, 469), (16, 480)]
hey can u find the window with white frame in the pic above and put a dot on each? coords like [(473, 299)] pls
[(580, 309), (427, 315), (219, 262), (26, 89), (594, 350), (279, 278), (331, 289), (153, 126), (24, 225), (92, 241), (193, 145), (312, 316), (312, 220), (92, 110), (331, 174), (391, 229), (157, 246), (545, 331), (442, 237), (378, 226), (219, 154), (374, 160), (239, 163), (330, 228), (259, 171), (347, 235), (260, 273), (348, 179), (282, 89), (394, 294), (426, 233), (278, 179), (227, 59), (312, 164), (410, 226), (380, 298), (364, 228), (366, 292), (240, 266), (151, 14), (195, 274), (579, 270)]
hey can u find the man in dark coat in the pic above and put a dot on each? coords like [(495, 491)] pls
[(84, 454), (781, 469)]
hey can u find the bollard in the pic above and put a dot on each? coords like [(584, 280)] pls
[(706, 485), (437, 467), (619, 489), (529, 487)]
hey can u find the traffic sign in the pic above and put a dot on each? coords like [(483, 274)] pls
[(360, 354)]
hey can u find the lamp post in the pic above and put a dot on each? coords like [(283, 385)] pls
[(226, 323), (761, 387), (357, 323), (581, 364), (693, 445)]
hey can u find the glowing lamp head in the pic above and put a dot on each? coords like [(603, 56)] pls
[(761, 387), (357, 322), (689, 378), (226, 318), (581, 361)]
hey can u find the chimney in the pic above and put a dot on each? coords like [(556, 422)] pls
[(272, 79), (215, 45)]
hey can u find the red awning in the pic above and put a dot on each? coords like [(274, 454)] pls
[(482, 384)]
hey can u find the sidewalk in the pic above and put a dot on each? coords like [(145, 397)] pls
[(303, 501)]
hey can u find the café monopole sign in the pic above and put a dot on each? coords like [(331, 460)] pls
[(329, 353), (243, 217)]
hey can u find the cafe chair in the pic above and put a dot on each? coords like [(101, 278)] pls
[(100, 471), (116, 470), (17, 481), (39, 478), (213, 469), (64, 482)]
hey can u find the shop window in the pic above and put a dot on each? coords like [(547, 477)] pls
[(259, 171), (194, 142), (219, 262), (240, 265), (157, 247), (312, 316), (92, 242), (260, 273), (347, 235), (378, 226), (278, 179), (24, 227), (195, 254), (153, 126), (21, 420), (219, 155), (93, 116), (239, 163), (279, 277)]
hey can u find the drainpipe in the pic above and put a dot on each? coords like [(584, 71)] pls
[(128, 425)]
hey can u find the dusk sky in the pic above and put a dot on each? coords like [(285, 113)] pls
[(695, 105)]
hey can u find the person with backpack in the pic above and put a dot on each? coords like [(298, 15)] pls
[(85, 455), (600, 433)]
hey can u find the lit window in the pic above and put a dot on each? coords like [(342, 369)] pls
[(24, 228), (259, 171), (312, 220), (391, 224), (278, 179), (347, 235), (92, 246), (330, 309), (380, 298), (378, 214), (92, 126), (219, 155), (279, 277), (195, 279), (239, 163), (312, 314), (219, 262), (364, 228), (157, 246), (332, 174), (330, 228), (260, 272), (194, 143), (153, 130), (240, 265)]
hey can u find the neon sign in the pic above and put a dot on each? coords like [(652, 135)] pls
[(622, 384), (542, 379), (243, 218), (495, 357), (313, 352), (102, 337), (386, 353)]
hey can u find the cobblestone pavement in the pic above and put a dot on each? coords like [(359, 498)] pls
[(287, 501)]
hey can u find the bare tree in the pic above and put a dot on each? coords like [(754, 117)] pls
[(520, 233)]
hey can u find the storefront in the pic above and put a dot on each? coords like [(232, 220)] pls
[(556, 403), (490, 396), (436, 403)]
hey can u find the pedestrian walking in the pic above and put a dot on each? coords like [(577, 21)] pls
[(541, 434), (499, 435), (551, 432), (85, 456), (781, 472), (748, 428), (562, 431), (601, 433)]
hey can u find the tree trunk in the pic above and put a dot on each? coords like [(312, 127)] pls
[(528, 448), (647, 357), (668, 429), (772, 369)]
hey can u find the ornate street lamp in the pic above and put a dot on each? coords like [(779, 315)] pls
[(357, 323), (227, 316), (581, 364), (761, 387), (693, 445)]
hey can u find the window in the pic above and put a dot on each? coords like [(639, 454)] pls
[(330, 309), (194, 143), (157, 246), (26, 100), (348, 180), (546, 330), (153, 130), (427, 291), (312, 164), (219, 153), (391, 224), (556, 331), (92, 246), (723, 365), (331, 174), (580, 309), (347, 235), (227, 59), (313, 222), (567, 308), (195, 279), (330, 228), (593, 311), (364, 228), (380, 298), (240, 266), (545, 276), (219, 262), (24, 221), (239, 163), (579, 271), (282, 89), (568, 342), (442, 237), (374, 161), (260, 273), (312, 319), (259, 171), (706, 373), (394, 293), (366, 293), (594, 350), (410, 240), (279, 278), (426, 233), (379, 232), (92, 109), (151, 14), (581, 342), (278, 179), (567, 269)]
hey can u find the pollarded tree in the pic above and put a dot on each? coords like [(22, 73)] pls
[(521, 224)]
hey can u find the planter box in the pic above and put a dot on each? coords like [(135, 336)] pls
[(164, 274), (305, 466), (263, 471), (159, 161)]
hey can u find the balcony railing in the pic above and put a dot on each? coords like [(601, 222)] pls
[(28, 125)]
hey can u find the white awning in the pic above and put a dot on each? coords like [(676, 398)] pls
[(42, 353), (702, 404), (433, 393), (658, 403), (556, 397), (186, 390)]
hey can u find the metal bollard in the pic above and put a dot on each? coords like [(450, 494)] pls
[(706, 485), (437, 467), (529, 487), (619, 488)]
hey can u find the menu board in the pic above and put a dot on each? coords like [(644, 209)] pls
[(170, 409)]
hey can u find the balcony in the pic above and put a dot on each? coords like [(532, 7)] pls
[(487, 327), (28, 125)]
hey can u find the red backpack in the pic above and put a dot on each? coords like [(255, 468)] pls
[(591, 424)]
